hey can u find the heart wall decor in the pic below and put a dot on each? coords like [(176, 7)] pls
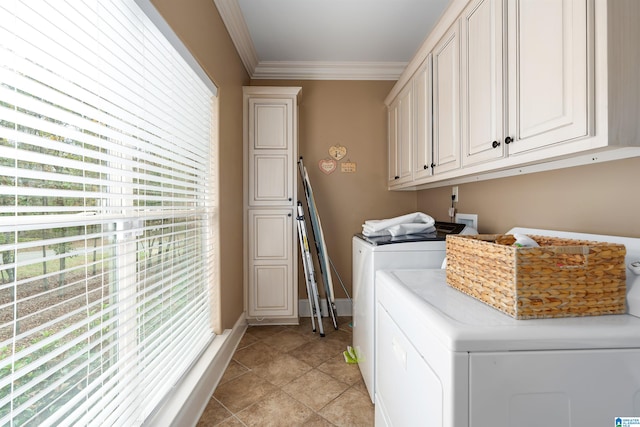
[(328, 166), (337, 151)]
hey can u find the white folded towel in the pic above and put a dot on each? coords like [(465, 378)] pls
[(413, 223), (401, 230)]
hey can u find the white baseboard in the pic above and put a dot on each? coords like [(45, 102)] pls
[(191, 396), (343, 307)]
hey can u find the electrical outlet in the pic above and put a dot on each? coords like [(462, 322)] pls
[(454, 193)]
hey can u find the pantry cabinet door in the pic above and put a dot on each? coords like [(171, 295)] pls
[(548, 72), (271, 169), (482, 82), (446, 101), (270, 263)]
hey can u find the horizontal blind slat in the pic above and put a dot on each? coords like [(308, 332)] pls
[(105, 148)]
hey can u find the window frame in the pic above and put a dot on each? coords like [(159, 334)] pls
[(124, 223)]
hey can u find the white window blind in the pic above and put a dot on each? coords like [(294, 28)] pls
[(105, 135)]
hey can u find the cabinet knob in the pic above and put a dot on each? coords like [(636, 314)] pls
[(508, 140), (495, 144), (433, 165), (426, 167), (396, 177), (289, 214), (289, 198)]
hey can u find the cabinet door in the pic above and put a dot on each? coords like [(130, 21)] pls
[(548, 78), (271, 166), (423, 137), (403, 110), (482, 82), (392, 140), (446, 101), (405, 133), (270, 290), (270, 179)]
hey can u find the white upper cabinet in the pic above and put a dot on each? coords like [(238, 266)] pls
[(546, 79), (446, 102), (392, 143), (401, 138), (548, 72), (423, 127), (410, 129), (521, 86), (483, 106), (405, 129)]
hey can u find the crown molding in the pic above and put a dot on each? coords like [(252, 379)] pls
[(319, 70), (237, 27), (297, 70)]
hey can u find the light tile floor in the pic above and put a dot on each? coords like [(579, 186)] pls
[(290, 376)]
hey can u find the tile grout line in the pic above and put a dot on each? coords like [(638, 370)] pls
[(333, 339)]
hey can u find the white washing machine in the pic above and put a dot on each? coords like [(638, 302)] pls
[(445, 359), (372, 254)]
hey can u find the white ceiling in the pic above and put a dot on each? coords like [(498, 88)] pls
[(328, 39)]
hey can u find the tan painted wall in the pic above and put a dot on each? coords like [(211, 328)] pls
[(352, 114), (596, 198), (199, 26), (600, 198)]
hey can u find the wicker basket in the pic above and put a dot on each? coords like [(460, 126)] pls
[(561, 278)]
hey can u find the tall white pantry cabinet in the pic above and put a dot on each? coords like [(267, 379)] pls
[(270, 116)]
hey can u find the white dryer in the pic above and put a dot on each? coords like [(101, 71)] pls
[(372, 254), (445, 359)]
